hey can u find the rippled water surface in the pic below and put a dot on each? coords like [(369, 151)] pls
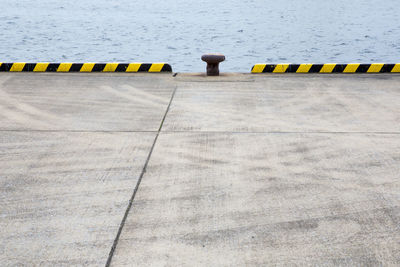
[(180, 31)]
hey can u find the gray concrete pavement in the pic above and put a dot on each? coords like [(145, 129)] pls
[(246, 170), (90, 102), (267, 103), (63, 195), (249, 199)]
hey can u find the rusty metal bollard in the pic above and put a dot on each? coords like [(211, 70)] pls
[(213, 61)]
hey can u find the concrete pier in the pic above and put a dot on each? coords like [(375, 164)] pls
[(240, 169)]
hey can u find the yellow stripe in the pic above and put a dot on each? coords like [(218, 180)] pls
[(41, 67), (304, 68), (258, 68), (133, 67), (87, 67), (156, 67), (1, 64), (396, 68), (351, 68), (280, 68), (376, 67), (17, 66), (327, 68), (110, 67), (64, 67)]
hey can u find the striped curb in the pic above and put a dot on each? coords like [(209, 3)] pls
[(85, 67), (326, 68)]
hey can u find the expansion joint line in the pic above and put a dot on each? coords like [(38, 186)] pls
[(114, 246)]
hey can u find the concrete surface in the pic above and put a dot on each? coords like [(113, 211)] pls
[(63, 195), (246, 169), (83, 102), (266, 199), (278, 103)]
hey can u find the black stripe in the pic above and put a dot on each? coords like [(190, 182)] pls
[(166, 68), (5, 67), (387, 68), (363, 68), (315, 68), (121, 67), (339, 68), (144, 67), (29, 67), (293, 68), (98, 67), (269, 68), (52, 67), (76, 67)]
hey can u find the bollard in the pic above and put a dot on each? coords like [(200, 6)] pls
[(213, 61)]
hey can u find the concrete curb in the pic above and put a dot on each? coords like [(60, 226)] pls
[(326, 68), (84, 67)]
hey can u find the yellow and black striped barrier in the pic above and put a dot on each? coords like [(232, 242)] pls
[(85, 67), (326, 68)]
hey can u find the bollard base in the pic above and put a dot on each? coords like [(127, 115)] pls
[(213, 69)]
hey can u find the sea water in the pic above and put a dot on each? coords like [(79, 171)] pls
[(180, 31)]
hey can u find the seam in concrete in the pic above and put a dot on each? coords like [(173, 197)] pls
[(77, 131), (114, 246), (277, 132), (190, 131)]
